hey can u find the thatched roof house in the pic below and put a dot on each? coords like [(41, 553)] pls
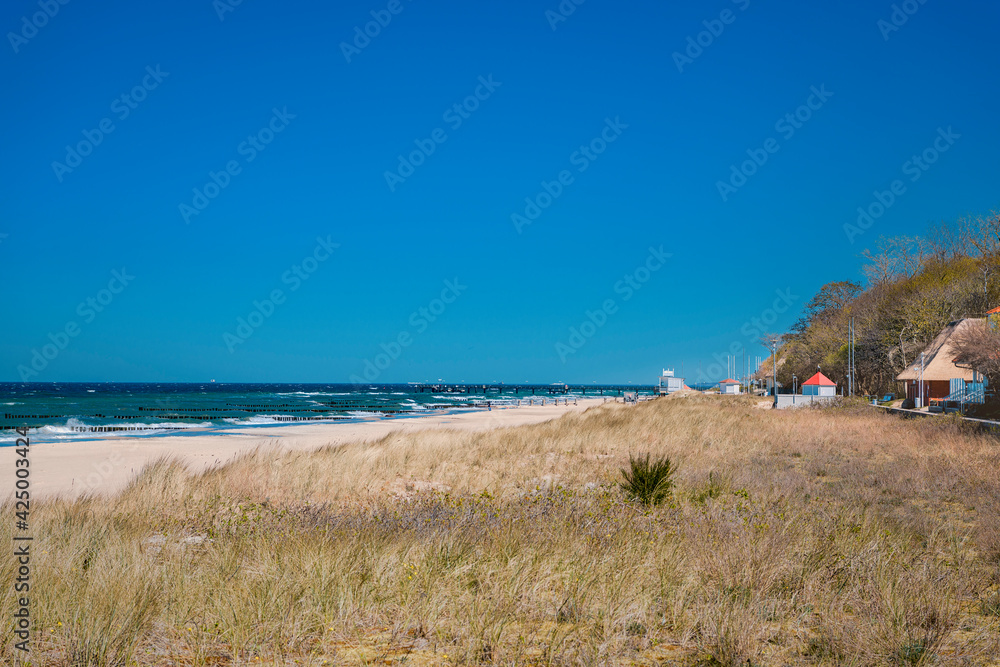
[(939, 365)]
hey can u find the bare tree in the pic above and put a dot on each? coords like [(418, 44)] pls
[(880, 267), (978, 347), (946, 242), (895, 257), (912, 253), (983, 233)]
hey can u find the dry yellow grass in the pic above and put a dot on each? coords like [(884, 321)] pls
[(833, 536)]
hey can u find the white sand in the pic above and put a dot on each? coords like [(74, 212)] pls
[(69, 468)]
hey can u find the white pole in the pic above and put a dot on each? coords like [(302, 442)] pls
[(921, 400), (850, 361)]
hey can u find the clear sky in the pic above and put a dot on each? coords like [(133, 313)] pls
[(289, 122)]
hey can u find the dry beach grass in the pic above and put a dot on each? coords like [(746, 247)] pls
[(834, 536)]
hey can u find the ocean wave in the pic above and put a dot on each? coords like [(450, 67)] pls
[(257, 420), (76, 429)]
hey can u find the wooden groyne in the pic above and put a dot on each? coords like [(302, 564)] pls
[(534, 390)]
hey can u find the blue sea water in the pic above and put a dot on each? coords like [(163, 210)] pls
[(80, 411)]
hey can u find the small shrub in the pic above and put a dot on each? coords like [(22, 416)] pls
[(649, 482), (712, 490)]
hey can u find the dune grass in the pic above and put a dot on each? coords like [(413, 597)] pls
[(648, 482), (829, 537)]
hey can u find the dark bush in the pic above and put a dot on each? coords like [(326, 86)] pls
[(649, 482)]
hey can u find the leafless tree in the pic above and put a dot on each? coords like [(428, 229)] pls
[(946, 242), (978, 347), (983, 233), (880, 267), (912, 252), (895, 257)]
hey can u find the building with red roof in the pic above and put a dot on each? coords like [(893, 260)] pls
[(819, 385), (729, 386)]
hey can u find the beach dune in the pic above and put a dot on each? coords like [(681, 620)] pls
[(71, 469)]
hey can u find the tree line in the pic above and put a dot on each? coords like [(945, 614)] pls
[(912, 287)]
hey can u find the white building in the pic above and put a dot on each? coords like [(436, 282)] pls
[(731, 387), (819, 385), (668, 383)]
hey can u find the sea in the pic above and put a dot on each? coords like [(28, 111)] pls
[(55, 412)]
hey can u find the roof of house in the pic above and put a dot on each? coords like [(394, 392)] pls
[(821, 380), (994, 311), (939, 357), (727, 381)]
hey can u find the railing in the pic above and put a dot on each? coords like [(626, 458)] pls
[(971, 392), (985, 423)]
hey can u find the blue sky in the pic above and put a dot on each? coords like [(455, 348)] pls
[(271, 81)]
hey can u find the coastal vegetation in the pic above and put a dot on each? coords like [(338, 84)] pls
[(912, 288), (648, 482), (800, 537)]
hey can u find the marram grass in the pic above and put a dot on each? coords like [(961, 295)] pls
[(816, 537), (648, 481)]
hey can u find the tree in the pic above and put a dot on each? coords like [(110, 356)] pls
[(831, 298), (895, 257), (978, 347), (914, 287), (946, 242), (983, 233)]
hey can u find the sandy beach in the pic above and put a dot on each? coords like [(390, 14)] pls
[(70, 469)]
